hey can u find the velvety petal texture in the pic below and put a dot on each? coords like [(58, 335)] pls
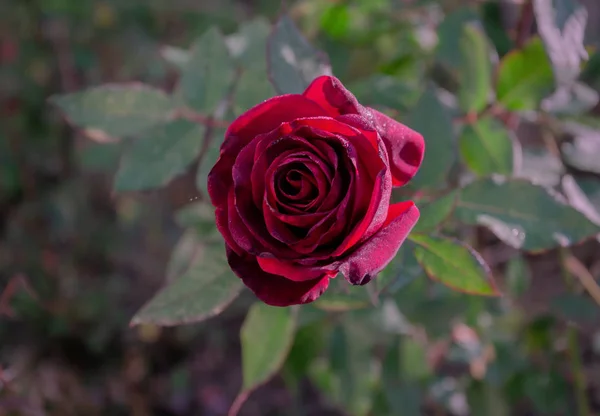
[(302, 191)]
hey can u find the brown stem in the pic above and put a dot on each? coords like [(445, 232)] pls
[(208, 121), (524, 24), (238, 403)]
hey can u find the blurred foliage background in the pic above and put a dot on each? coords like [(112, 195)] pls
[(77, 260)]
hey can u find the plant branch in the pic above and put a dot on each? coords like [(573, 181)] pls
[(208, 121), (579, 271), (524, 24), (238, 403)]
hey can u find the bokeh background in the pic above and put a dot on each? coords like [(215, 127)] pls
[(78, 260)]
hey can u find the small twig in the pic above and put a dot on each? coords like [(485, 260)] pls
[(578, 270), (524, 24), (208, 121), (238, 403)]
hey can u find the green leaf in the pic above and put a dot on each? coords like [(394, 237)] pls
[(116, 110), (203, 291), (178, 57), (454, 264), (341, 296), (102, 157), (523, 215), (439, 135), (387, 91), (434, 213), (293, 63), (449, 35), (267, 336), (249, 45), (402, 270), (184, 254), (475, 70), (208, 75), (154, 161), (525, 77), (252, 88), (486, 147)]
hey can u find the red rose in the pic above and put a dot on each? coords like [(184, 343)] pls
[(302, 191)]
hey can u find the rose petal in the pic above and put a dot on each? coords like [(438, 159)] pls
[(292, 271), (374, 216), (238, 230), (331, 94), (260, 119), (271, 153), (375, 253), (246, 219), (405, 147), (300, 220), (272, 289), (222, 221)]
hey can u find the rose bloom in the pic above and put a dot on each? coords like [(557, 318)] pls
[(302, 191)]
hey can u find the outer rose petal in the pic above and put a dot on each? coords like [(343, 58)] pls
[(272, 289), (372, 256), (405, 146), (331, 94)]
